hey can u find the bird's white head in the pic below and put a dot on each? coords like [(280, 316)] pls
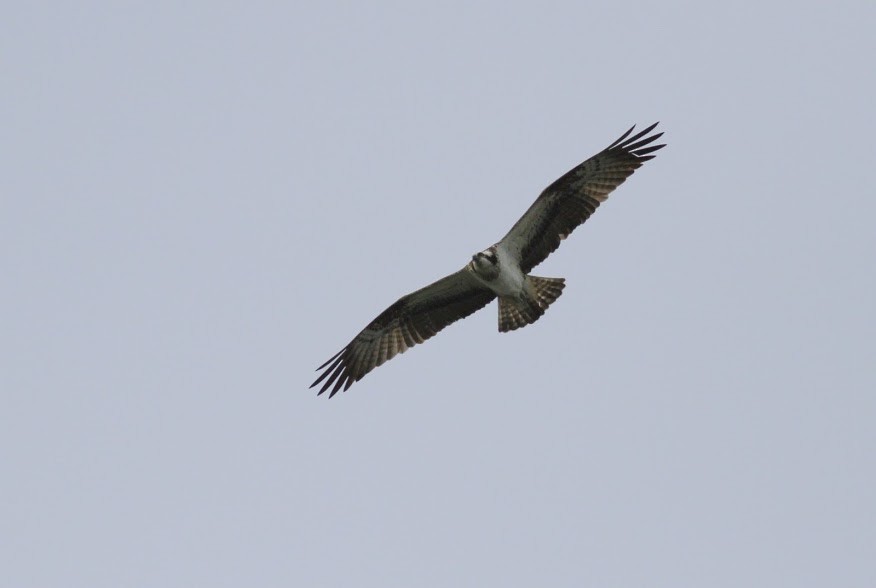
[(485, 264)]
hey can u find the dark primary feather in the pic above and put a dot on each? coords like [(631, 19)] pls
[(411, 320), (571, 199)]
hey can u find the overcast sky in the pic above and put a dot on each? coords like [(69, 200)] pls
[(201, 202)]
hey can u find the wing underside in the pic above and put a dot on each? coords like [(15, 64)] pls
[(411, 320), (570, 200)]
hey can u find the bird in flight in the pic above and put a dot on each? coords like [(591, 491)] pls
[(501, 270)]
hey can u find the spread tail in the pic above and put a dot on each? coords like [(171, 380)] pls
[(515, 313)]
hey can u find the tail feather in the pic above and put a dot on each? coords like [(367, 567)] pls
[(515, 313)]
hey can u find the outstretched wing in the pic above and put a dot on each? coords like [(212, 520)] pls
[(411, 320), (571, 200)]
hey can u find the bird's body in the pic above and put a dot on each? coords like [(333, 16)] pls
[(521, 298), (501, 270)]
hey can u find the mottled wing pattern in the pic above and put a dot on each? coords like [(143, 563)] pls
[(411, 320), (571, 200)]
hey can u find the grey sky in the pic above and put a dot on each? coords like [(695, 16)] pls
[(203, 202)]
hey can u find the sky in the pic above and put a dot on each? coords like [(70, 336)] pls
[(201, 202)]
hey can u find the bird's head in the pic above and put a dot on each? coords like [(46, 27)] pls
[(485, 264)]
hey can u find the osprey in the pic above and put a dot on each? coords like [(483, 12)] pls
[(499, 271)]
